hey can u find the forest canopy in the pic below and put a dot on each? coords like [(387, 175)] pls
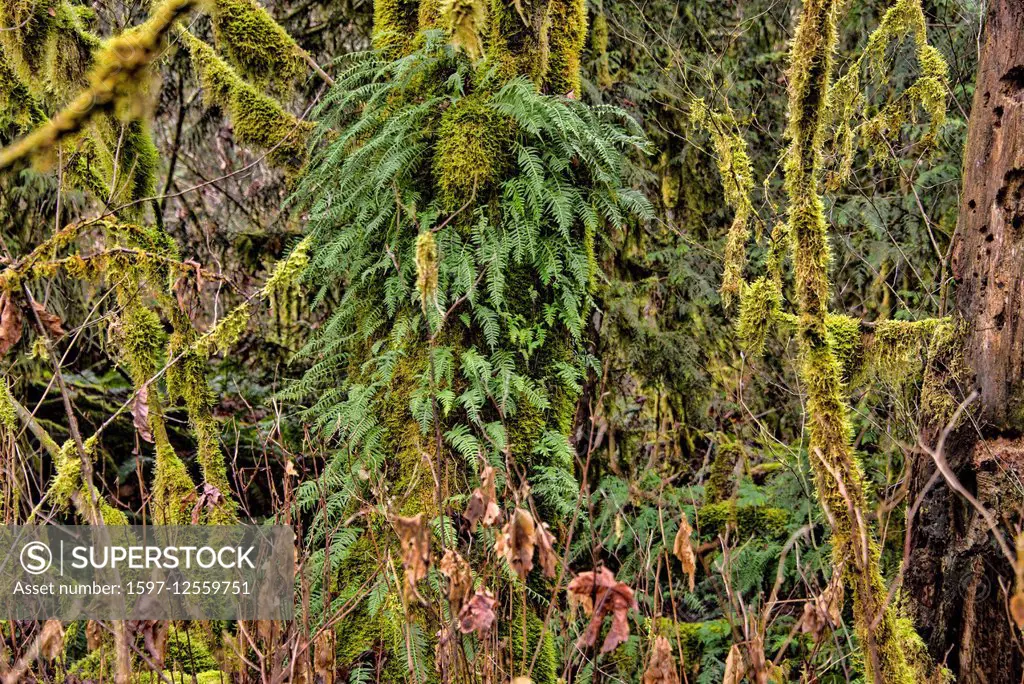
[(576, 340)]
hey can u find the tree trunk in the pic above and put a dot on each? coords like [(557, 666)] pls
[(956, 575)]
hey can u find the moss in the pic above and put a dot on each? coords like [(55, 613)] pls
[(256, 45), (518, 41), (8, 415), (226, 333), (465, 21), (736, 172), (720, 485), (599, 45), (748, 520), (20, 110), (187, 653), (426, 267), (471, 155), (567, 22), (545, 670), (760, 304), (258, 119), (394, 26), (173, 488), (946, 380)]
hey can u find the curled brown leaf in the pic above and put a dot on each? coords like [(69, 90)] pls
[(683, 550), (460, 579), (517, 542), (483, 502), (10, 323), (478, 613), (601, 595), (661, 668), (414, 539)]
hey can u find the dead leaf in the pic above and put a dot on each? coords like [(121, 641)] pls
[(546, 551), (324, 648), (1017, 609), (289, 468), (415, 542), (210, 499), (154, 636), (683, 549), (601, 595), (735, 667), (51, 322), (51, 639), (823, 613), (460, 579), (661, 668), (478, 613), (517, 541), (140, 414), (10, 323), (483, 502), (93, 635)]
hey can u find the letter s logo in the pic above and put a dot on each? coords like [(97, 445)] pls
[(36, 557)]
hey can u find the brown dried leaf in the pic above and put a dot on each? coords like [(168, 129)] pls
[(483, 502), (823, 612), (51, 322), (478, 613), (1017, 609), (661, 668), (209, 499), (51, 639), (460, 579), (414, 539), (93, 635), (601, 595), (735, 667), (517, 542), (546, 551), (10, 323), (324, 656), (154, 636), (140, 414), (683, 549)]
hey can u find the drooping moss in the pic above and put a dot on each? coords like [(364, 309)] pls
[(760, 304), (465, 21), (258, 120), (567, 27), (19, 109), (721, 485), (257, 46), (473, 144), (8, 414), (737, 182)]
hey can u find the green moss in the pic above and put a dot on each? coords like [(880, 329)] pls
[(720, 486), (736, 172), (748, 520), (946, 377), (256, 45), (518, 45), (465, 21), (694, 639), (599, 45), (471, 155), (258, 119), (760, 304), (394, 26), (545, 670), (8, 415), (567, 21), (173, 488)]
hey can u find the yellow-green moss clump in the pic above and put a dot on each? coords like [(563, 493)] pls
[(394, 26), (258, 47), (473, 143), (760, 304), (465, 21), (737, 182), (748, 520), (517, 46), (599, 46), (567, 34), (258, 120)]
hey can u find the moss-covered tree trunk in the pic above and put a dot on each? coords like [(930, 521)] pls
[(955, 569)]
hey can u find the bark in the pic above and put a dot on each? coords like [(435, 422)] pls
[(956, 574)]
